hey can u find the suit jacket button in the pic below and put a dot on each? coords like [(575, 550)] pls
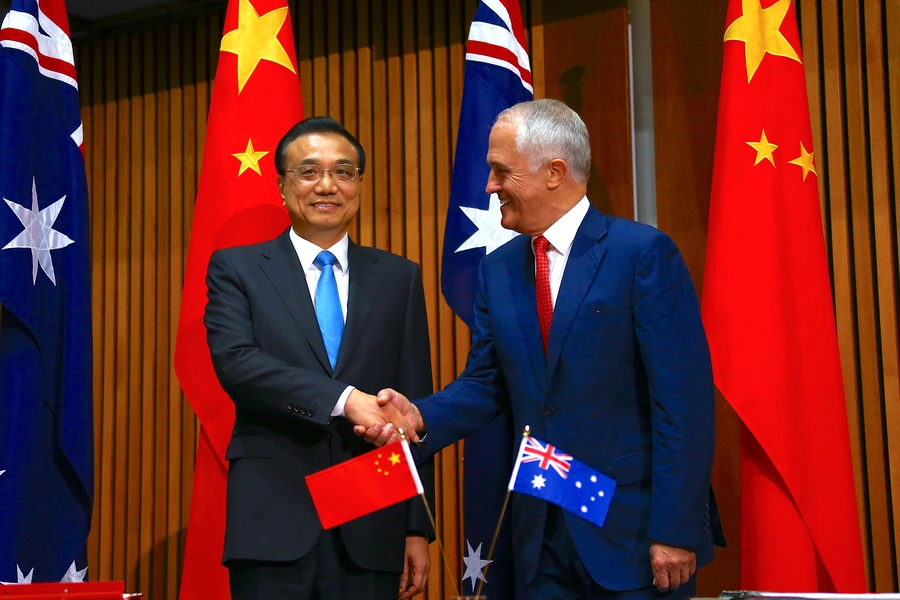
[(549, 411), (310, 412), (303, 410), (290, 406)]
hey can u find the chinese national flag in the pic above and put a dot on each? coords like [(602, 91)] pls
[(768, 313), (362, 485), (255, 100)]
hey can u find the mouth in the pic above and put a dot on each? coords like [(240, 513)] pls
[(326, 205), (504, 201)]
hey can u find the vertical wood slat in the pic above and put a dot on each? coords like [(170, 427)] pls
[(853, 74)]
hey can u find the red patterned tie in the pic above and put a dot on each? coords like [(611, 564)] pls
[(542, 288)]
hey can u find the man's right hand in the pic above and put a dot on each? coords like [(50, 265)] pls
[(379, 433), (368, 413)]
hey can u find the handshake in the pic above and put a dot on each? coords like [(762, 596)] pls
[(381, 419)]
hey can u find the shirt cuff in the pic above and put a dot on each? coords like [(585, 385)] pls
[(338, 410)]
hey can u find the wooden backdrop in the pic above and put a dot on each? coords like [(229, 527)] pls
[(392, 70)]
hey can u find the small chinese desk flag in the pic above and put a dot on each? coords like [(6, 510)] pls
[(543, 471), (364, 484)]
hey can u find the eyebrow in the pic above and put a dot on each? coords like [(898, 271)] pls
[(340, 161)]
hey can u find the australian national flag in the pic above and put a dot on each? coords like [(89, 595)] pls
[(498, 75), (544, 471), (46, 446)]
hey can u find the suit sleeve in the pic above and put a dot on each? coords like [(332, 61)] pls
[(415, 381), (255, 380), (676, 357)]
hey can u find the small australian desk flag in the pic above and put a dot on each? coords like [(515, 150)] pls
[(545, 472)]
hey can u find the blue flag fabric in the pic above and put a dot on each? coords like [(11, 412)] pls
[(497, 76), (46, 439), (544, 471)]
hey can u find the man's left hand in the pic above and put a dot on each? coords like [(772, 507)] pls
[(415, 567), (671, 566)]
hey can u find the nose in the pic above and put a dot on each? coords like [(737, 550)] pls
[(493, 184), (326, 184)]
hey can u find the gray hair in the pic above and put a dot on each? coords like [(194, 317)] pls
[(549, 129)]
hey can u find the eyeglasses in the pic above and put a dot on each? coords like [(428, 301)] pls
[(312, 173)]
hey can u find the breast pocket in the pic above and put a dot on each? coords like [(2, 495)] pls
[(599, 316)]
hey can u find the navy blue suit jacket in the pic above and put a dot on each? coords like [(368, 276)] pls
[(626, 387)]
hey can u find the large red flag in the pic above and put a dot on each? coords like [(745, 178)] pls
[(767, 308), (255, 100)]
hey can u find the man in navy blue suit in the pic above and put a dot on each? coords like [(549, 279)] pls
[(588, 330)]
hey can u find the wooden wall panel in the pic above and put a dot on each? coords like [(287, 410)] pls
[(687, 69), (585, 57), (852, 59), (392, 71)]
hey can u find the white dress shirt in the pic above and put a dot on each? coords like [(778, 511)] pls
[(561, 235), (307, 253)]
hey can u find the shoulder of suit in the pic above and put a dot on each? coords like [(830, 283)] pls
[(250, 249), (384, 257), (629, 230)]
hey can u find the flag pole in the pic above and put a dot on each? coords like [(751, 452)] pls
[(525, 433), (437, 536)]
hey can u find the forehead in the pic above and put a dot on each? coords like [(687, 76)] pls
[(321, 148), (502, 142)]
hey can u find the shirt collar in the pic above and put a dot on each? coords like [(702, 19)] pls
[(307, 251), (561, 234)]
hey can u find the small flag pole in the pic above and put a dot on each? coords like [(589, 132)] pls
[(437, 536), (525, 433)]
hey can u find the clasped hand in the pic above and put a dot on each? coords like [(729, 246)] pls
[(380, 418)]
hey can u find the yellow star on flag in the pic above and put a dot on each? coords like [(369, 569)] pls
[(764, 149), (395, 458), (759, 29), (805, 161), (256, 39), (249, 158)]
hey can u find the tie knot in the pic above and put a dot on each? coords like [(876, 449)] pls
[(325, 259), (541, 244)]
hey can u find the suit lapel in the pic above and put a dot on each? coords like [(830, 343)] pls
[(365, 279), (581, 269), (521, 277), (282, 266)]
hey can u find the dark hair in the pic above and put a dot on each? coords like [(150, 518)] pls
[(322, 125)]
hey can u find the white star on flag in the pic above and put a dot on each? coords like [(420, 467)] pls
[(39, 235), (20, 578), (490, 235), (474, 565), (73, 575), (538, 482)]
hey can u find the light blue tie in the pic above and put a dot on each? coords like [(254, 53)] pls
[(328, 306)]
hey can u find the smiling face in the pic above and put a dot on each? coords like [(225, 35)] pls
[(523, 192), (320, 211)]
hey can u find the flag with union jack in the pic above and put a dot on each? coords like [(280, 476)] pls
[(46, 444), (544, 471), (498, 75)]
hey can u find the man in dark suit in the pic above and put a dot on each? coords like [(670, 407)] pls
[(299, 328), (588, 330)]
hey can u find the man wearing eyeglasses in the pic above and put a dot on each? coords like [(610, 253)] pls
[(299, 328)]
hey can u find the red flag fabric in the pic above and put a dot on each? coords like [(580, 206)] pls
[(255, 100), (769, 317), (362, 485)]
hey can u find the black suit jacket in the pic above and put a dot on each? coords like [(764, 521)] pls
[(270, 358)]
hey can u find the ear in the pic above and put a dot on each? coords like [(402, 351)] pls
[(281, 188), (558, 169)]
